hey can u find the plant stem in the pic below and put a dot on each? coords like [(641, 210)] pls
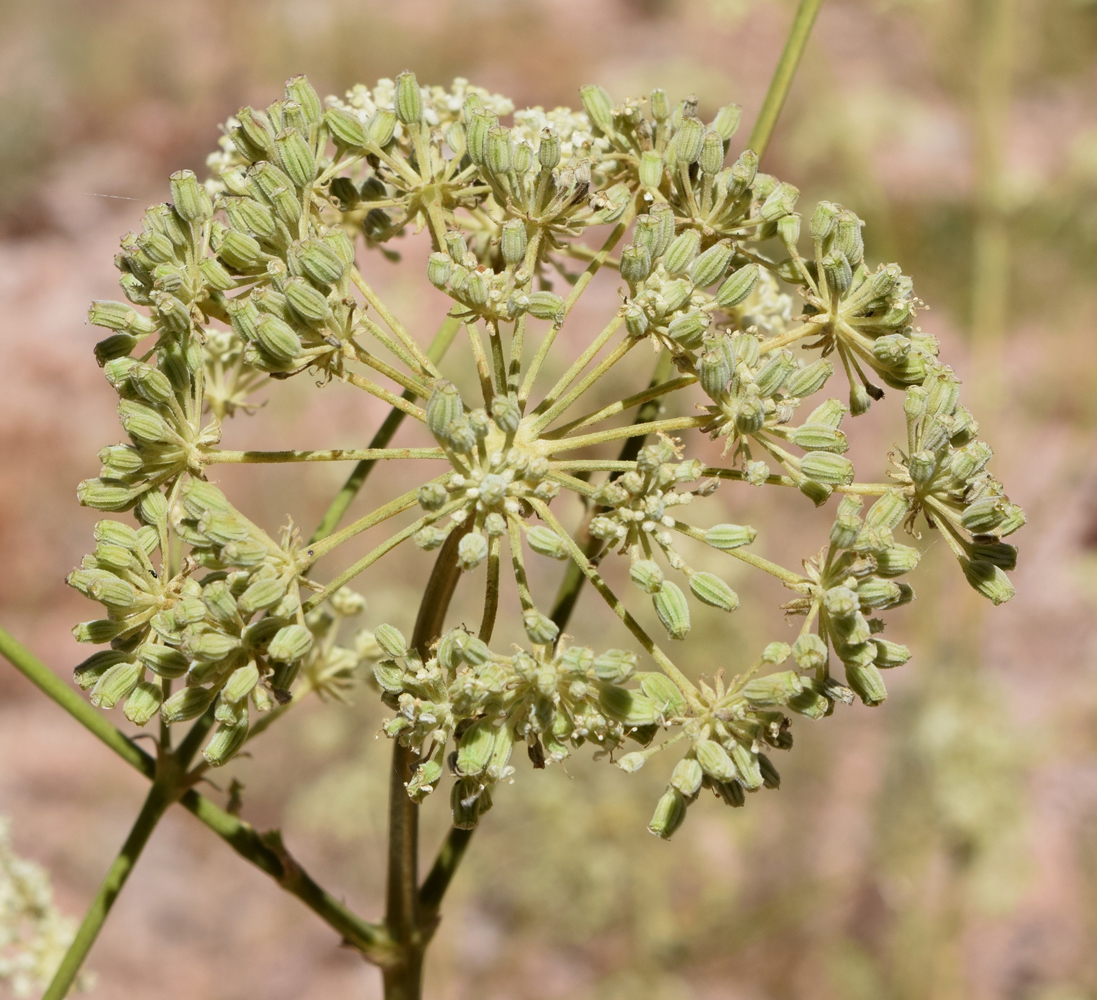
[(438, 347), (156, 804), (330, 455), (370, 939), (797, 39), (441, 873), (403, 976)]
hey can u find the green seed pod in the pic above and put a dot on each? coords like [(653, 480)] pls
[(635, 264), (810, 703), (663, 692), (827, 468), (295, 157), (837, 273), (546, 305), (548, 152), (829, 412), (823, 220), (687, 777), (651, 169), (681, 252), (278, 339), (614, 666), (887, 512), (877, 594), (715, 374), (188, 703), (810, 379), (687, 330), (191, 200), (776, 652), (443, 407), (499, 152), (985, 514), (261, 595), (209, 647), (890, 654), (469, 800), (391, 641), (475, 749), (143, 703), (240, 251), (710, 266), (599, 107), (99, 631), (506, 413), (670, 811), (290, 644), (241, 683), (116, 683), (712, 153), (215, 275), (320, 261), (346, 127), (847, 238), (629, 707), (867, 681), (472, 550), (773, 689), (673, 610), (114, 347), (714, 760), (381, 128), (746, 763), (439, 269), (895, 560), (988, 579), (87, 674), (660, 106), (540, 628), (689, 140), (921, 466), (163, 660), (770, 776), (774, 373), (389, 676), (726, 122), (711, 590), (408, 100), (730, 536), (737, 286), (647, 575), (220, 603), (545, 542), (819, 437), (513, 241), (226, 742), (306, 301), (143, 423), (809, 651)]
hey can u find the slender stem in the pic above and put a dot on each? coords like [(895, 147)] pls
[(628, 431), (338, 508), (636, 399), (391, 509), (392, 322), (269, 855), (330, 455), (684, 684), (580, 286), (491, 591), (59, 692), (584, 384), (159, 798), (574, 578), (403, 978), (370, 939), (786, 576), (361, 382), (442, 872), (782, 76), (581, 362), (371, 557)]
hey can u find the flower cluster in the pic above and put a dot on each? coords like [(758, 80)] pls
[(254, 277)]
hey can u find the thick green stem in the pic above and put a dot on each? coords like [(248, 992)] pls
[(156, 804), (782, 76), (441, 874), (403, 977)]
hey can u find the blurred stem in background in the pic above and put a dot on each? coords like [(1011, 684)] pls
[(990, 307)]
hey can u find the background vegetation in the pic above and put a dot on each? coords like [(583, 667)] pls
[(943, 845)]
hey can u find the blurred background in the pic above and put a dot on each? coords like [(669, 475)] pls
[(943, 845)]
